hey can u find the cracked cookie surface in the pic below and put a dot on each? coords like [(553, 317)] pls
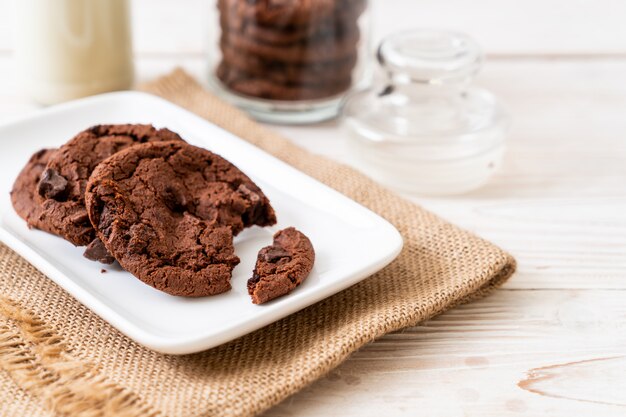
[(282, 266), (168, 212), (62, 186)]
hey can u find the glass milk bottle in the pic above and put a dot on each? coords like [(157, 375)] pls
[(427, 130), (66, 49)]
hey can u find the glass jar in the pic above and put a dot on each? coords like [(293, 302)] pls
[(426, 130), (290, 61)]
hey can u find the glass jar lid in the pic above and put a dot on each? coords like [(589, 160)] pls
[(426, 112), (430, 56)]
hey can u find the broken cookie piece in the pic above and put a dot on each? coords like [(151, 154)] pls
[(281, 267)]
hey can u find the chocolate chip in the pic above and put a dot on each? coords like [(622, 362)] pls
[(96, 251), (256, 210), (273, 254), (52, 185), (106, 221), (254, 280), (80, 218)]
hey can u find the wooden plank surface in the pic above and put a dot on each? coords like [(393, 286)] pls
[(553, 341), (536, 353)]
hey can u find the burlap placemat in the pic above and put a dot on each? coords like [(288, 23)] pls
[(57, 358)]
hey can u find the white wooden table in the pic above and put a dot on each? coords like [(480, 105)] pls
[(553, 340)]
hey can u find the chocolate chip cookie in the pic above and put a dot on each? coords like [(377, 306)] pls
[(282, 266), (318, 50), (24, 195), (279, 12), (62, 185), (283, 13), (168, 212), (333, 27), (262, 87), (289, 49), (311, 74)]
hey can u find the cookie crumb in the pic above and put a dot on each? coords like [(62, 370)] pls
[(103, 271)]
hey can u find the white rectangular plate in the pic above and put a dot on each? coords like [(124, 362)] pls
[(350, 241)]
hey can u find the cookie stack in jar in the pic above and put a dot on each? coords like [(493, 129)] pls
[(290, 60)]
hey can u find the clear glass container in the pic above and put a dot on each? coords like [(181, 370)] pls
[(290, 61), (426, 130)]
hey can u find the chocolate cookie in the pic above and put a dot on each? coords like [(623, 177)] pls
[(279, 12), (168, 212), (261, 87), (24, 195), (290, 12), (282, 266), (63, 182), (334, 27), (311, 74), (318, 50), (274, 36)]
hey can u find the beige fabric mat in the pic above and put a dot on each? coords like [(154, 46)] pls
[(58, 358)]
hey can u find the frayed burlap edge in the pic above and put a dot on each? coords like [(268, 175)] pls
[(39, 363)]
